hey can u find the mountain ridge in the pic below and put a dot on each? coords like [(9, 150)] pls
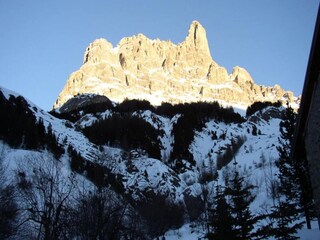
[(161, 71)]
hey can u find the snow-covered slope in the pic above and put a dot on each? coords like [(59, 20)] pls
[(143, 180), (63, 129)]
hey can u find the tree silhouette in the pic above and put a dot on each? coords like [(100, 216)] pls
[(241, 197), (221, 220)]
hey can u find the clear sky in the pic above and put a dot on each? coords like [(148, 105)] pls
[(42, 42)]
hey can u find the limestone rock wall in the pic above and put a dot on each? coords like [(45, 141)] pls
[(160, 71)]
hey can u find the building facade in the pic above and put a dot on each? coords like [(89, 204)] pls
[(307, 135)]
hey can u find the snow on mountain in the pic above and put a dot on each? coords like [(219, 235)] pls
[(143, 179), (254, 156), (165, 125), (192, 232), (63, 129), (141, 175), (15, 160)]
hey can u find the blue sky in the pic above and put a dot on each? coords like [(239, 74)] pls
[(43, 42)]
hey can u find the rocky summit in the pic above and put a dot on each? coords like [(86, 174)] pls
[(160, 71)]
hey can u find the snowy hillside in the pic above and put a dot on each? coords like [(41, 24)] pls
[(164, 164), (63, 129)]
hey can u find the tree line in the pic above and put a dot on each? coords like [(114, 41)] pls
[(209, 109), (20, 128), (125, 131), (258, 106)]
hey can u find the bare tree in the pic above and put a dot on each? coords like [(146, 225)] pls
[(45, 190), (100, 213), (8, 206)]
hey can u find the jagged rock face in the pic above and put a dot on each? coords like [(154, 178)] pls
[(160, 71)]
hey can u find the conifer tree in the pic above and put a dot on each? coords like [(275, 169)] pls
[(221, 221), (285, 223), (240, 194), (295, 188)]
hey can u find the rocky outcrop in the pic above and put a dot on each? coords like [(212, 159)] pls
[(160, 71), (81, 102)]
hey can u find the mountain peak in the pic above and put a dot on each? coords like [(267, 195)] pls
[(241, 75), (197, 36), (160, 71)]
